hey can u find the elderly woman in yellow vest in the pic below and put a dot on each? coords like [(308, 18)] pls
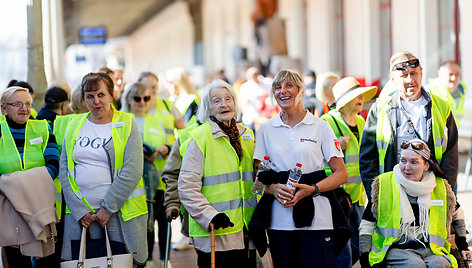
[(26, 145), (348, 127), (135, 99), (216, 179), (410, 216), (101, 167)]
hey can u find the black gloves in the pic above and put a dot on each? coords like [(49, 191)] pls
[(221, 221), (364, 260)]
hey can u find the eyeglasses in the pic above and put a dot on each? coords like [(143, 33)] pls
[(20, 104), (416, 145), (402, 65), (145, 98)]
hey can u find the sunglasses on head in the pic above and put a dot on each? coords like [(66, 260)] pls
[(402, 65), (138, 98), (416, 145)]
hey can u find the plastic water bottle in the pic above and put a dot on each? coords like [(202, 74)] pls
[(258, 187), (294, 176)]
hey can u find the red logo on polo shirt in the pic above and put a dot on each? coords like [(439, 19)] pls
[(338, 146), (302, 140)]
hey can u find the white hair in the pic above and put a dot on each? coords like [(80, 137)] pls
[(203, 112)]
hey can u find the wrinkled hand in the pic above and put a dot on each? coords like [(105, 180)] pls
[(102, 216), (344, 141), (302, 191), (464, 255), (221, 220), (87, 219), (281, 192), (169, 213)]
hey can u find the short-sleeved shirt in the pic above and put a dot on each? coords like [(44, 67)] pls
[(312, 143)]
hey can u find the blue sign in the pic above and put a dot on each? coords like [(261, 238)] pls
[(92, 35)]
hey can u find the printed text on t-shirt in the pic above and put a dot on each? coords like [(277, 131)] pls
[(94, 143)]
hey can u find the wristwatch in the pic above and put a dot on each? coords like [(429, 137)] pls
[(317, 190)]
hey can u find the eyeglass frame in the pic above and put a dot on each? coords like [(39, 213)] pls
[(20, 104), (401, 66), (138, 98)]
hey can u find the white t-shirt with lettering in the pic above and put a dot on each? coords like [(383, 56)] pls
[(312, 143), (93, 175)]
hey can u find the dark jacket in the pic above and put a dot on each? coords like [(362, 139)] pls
[(369, 154)]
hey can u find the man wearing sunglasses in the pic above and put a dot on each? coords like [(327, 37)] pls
[(409, 113)]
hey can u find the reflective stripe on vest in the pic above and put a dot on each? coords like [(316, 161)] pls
[(57, 183), (388, 224), (440, 111), (36, 140), (457, 108), (121, 128), (354, 186), (166, 118), (227, 182)]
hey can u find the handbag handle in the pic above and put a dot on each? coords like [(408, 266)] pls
[(83, 245)]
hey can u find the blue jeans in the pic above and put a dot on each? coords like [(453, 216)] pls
[(418, 258), (350, 253)]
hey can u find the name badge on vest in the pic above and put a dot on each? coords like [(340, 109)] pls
[(437, 203), (118, 124), (154, 131), (246, 136), (36, 140)]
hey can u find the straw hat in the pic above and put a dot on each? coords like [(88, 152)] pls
[(348, 88)]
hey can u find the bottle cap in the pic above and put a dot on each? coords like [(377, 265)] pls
[(299, 165), (266, 157)]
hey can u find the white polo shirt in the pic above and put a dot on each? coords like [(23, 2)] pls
[(311, 143)]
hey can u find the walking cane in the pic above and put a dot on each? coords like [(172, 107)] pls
[(174, 214), (212, 244)]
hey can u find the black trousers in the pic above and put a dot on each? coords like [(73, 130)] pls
[(228, 259)]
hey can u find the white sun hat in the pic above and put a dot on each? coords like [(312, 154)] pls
[(348, 88)]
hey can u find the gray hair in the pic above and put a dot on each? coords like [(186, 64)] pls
[(128, 93), (203, 112), (77, 102), (394, 59), (323, 82), (7, 93)]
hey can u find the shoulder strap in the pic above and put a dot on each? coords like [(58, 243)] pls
[(167, 105), (336, 122), (406, 116)]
